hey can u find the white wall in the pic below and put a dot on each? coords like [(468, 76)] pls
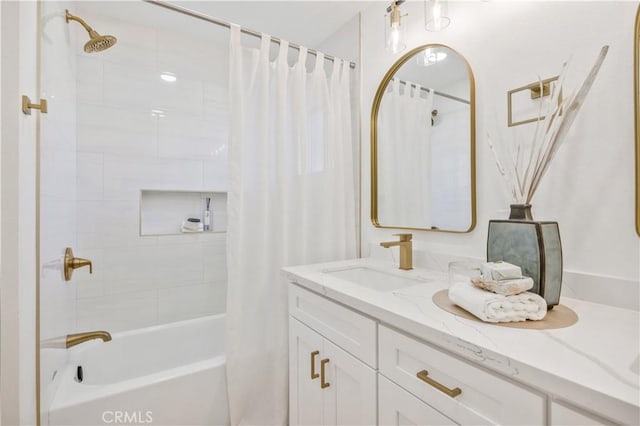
[(589, 189), (17, 279), (124, 147)]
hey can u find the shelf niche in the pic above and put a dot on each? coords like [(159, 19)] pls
[(163, 211)]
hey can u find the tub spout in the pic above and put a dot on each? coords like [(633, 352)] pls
[(78, 338)]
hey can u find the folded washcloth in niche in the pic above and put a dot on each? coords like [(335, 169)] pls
[(192, 226), (492, 307)]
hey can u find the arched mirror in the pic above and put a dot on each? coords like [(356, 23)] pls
[(636, 55), (423, 143)]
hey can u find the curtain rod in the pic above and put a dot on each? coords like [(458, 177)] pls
[(444, 95), (226, 24)]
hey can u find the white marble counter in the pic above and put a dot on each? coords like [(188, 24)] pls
[(593, 364)]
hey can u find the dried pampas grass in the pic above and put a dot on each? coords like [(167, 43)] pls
[(524, 169)]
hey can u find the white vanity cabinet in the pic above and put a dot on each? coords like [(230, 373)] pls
[(461, 391), (328, 385), (376, 374)]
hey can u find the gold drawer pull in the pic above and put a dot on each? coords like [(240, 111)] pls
[(314, 375), (424, 376), (323, 384)]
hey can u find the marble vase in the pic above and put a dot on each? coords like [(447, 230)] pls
[(533, 245)]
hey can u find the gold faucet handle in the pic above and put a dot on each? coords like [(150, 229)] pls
[(71, 263), (404, 237)]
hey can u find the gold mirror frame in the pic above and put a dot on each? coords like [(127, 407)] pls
[(636, 94), (374, 138)]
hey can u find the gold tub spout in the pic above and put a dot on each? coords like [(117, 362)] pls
[(78, 338), (406, 249)]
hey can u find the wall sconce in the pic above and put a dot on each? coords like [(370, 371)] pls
[(435, 15), (395, 32)]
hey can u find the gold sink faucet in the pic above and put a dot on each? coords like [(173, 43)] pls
[(78, 338), (406, 249)]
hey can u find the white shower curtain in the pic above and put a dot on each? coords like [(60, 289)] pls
[(404, 155), (291, 201)]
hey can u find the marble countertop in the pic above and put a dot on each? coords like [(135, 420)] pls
[(593, 364)]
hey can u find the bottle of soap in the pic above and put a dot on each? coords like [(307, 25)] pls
[(207, 215)]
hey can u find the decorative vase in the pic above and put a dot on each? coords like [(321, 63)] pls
[(533, 245)]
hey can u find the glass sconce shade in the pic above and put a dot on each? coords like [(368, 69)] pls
[(395, 29), (436, 15), (430, 56)]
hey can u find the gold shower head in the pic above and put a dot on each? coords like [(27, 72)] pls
[(97, 42)]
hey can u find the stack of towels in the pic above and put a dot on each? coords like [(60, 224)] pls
[(500, 295)]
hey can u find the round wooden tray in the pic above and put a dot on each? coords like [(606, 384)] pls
[(559, 317)]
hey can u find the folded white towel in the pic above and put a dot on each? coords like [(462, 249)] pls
[(491, 307), (506, 287), (496, 271)]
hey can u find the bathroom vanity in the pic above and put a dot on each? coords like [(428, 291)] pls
[(368, 346)]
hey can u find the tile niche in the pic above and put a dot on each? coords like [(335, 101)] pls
[(163, 211)]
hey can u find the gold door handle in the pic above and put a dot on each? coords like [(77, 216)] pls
[(323, 384), (71, 263), (314, 375), (424, 376)]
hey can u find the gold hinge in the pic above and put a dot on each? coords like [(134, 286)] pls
[(27, 106)]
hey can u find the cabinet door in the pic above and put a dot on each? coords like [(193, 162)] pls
[(305, 397), (398, 407), (350, 397)]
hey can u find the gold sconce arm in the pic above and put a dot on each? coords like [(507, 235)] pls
[(71, 263)]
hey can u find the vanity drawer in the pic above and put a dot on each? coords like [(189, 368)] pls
[(398, 407), (484, 399), (348, 329)]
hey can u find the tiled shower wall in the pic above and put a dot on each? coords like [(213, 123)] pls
[(136, 131)]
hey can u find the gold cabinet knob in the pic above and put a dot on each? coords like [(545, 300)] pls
[(71, 263)]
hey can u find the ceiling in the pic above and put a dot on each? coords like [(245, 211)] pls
[(304, 22)]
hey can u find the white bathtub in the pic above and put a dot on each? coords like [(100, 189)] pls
[(172, 374)]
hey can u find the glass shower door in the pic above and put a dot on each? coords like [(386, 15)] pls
[(57, 194)]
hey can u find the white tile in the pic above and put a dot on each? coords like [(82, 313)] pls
[(125, 177), (216, 173), (182, 303), (89, 84), (180, 174), (128, 85), (215, 264), (178, 264), (58, 174), (129, 265), (90, 181), (185, 95), (118, 312), (109, 139)]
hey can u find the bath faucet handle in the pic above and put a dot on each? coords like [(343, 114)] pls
[(404, 237), (71, 263)]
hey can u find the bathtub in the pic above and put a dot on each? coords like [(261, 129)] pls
[(172, 374)]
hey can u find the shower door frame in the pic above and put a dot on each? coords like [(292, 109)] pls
[(18, 228)]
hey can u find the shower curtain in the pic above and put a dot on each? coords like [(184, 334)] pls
[(404, 147), (291, 201)]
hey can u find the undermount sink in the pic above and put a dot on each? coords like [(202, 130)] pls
[(374, 279)]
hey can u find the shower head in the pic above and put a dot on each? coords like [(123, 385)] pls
[(97, 42)]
